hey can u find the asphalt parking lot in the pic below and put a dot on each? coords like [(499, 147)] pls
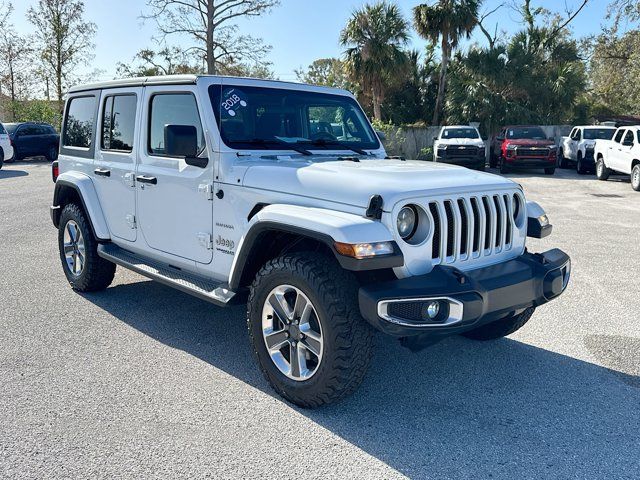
[(141, 380)]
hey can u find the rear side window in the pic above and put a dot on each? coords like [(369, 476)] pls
[(628, 138), (78, 125), (172, 109), (118, 122)]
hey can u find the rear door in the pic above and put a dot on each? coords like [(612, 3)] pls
[(115, 160), (616, 149), (24, 139), (174, 204), (623, 161)]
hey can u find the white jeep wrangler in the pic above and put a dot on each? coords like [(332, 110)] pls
[(281, 195)]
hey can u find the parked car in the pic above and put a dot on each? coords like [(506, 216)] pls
[(579, 146), (6, 149), (32, 139), (523, 146), (220, 188), (460, 145), (621, 155)]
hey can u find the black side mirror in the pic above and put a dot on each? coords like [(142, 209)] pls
[(381, 136), (182, 141), (628, 143)]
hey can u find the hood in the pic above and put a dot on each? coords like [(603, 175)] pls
[(478, 142), (353, 183), (529, 142)]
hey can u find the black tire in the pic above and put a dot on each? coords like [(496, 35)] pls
[(347, 338), (52, 153), (550, 171), (563, 160), (635, 177), (1, 157), (481, 168), (602, 172), (501, 328), (503, 166), (580, 168), (97, 273), (493, 160)]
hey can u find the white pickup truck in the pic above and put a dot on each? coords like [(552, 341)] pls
[(622, 155), (578, 147)]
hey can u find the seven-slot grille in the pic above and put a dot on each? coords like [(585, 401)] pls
[(474, 226), (532, 151)]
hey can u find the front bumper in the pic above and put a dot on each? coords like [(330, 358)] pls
[(531, 162), (475, 297)]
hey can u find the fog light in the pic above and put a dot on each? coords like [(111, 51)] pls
[(432, 310)]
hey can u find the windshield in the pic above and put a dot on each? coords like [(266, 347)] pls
[(273, 118), (460, 133), (532, 133), (599, 133)]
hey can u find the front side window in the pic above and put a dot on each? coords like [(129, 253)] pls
[(460, 133), (618, 137), (529, 133), (268, 118), (598, 133), (118, 122), (172, 109), (78, 125)]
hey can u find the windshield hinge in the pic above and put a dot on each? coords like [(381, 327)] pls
[(207, 189), (374, 211)]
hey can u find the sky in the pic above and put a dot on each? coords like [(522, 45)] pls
[(300, 31)]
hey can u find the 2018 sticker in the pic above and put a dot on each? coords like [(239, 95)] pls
[(232, 101)]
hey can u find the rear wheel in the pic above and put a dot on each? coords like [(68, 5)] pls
[(85, 270), (306, 331), (501, 328), (563, 160), (602, 172), (635, 178), (580, 168)]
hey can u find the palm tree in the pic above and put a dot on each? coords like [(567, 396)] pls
[(375, 37), (446, 21)]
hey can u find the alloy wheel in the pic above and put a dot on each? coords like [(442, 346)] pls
[(292, 332), (635, 178), (74, 248)]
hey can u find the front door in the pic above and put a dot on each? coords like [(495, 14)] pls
[(114, 167), (175, 211)]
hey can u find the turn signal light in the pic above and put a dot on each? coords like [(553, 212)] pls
[(364, 250)]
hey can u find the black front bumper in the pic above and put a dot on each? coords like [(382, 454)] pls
[(479, 296), (470, 162)]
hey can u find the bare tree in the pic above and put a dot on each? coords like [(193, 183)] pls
[(209, 24), (63, 38)]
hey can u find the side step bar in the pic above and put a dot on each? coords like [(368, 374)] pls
[(197, 286)]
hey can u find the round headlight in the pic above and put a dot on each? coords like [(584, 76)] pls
[(407, 222)]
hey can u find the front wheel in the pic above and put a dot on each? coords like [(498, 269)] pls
[(306, 331), (562, 158), (501, 328), (85, 270), (635, 178), (602, 172), (580, 168)]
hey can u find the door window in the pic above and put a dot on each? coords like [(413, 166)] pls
[(118, 122), (78, 125), (618, 137), (172, 109), (628, 138)]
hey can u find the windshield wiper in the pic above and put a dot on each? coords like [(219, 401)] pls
[(276, 141), (334, 143)]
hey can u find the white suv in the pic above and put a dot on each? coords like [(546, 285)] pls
[(621, 154), (281, 195)]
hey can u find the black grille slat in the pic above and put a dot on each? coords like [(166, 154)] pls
[(488, 223), (435, 249), (496, 202), (451, 233), (506, 199), (464, 227), (476, 225)]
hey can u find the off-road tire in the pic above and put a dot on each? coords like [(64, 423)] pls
[(563, 161), (602, 172), (348, 339), (635, 177), (97, 273), (550, 171), (501, 328), (580, 168), (503, 167)]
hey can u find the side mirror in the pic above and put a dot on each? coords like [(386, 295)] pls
[(628, 143), (182, 141), (381, 136), (435, 139)]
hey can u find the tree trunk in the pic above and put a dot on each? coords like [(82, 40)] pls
[(377, 101), (211, 61), (442, 80)]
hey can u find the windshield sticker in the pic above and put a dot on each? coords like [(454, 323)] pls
[(233, 100)]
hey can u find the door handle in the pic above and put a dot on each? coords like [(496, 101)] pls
[(144, 179), (102, 172)]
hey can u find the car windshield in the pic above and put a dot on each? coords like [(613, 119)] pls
[(599, 133), (460, 133), (11, 127), (277, 119), (531, 133)]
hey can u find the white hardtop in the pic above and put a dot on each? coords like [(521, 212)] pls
[(211, 79)]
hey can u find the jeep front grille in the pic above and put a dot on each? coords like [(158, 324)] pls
[(473, 226)]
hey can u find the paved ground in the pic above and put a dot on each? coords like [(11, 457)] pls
[(144, 381)]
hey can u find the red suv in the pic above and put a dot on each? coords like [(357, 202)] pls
[(522, 146)]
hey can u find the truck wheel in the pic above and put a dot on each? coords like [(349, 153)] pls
[(501, 328), (84, 269), (579, 166), (635, 178), (503, 166), (602, 172), (563, 160), (550, 171), (1, 157), (52, 153), (306, 331)]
